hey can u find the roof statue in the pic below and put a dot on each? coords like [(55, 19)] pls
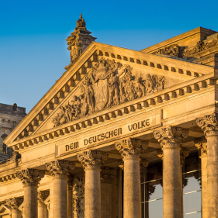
[(79, 40)]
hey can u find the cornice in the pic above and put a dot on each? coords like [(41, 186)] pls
[(76, 72), (177, 38), (170, 94)]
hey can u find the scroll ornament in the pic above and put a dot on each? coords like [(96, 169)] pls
[(209, 124), (107, 84), (60, 167), (131, 147), (92, 159), (30, 176)]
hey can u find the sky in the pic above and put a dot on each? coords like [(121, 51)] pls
[(33, 50)]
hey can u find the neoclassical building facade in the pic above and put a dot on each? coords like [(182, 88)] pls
[(121, 134)]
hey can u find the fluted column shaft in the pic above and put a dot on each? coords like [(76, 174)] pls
[(201, 144), (92, 161), (131, 150), (30, 179), (209, 125), (170, 139), (60, 170)]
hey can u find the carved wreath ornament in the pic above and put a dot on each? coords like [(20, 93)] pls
[(107, 84)]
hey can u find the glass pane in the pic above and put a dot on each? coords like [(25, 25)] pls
[(155, 190), (191, 181), (192, 202), (193, 215), (154, 209)]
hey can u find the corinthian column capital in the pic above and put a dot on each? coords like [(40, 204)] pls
[(60, 168), (30, 176), (209, 124), (170, 137), (13, 203), (92, 159), (131, 147), (183, 154), (201, 145)]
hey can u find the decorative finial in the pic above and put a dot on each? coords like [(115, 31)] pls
[(81, 17)]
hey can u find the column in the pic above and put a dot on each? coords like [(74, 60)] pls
[(131, 150), (201, 145), (30, 179), (42, 207), (60, 170), (92, 161), (70, 197), (107, 176), (13, 204), (170, 139), (183, 154), (209, 125)]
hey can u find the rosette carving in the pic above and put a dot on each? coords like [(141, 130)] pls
[(30, 176), (209, 124), (107, 174), (92, 158), (60, 168), (170, 137), (131, 147), (201, 144)]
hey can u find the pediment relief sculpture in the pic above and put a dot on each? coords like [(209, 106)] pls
[(172, 50), (200, 46), (107, 84)]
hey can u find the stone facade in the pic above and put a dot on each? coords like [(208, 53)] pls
[(113, 113), (10, 116)]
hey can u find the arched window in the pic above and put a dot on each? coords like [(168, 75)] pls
[(2, 145)]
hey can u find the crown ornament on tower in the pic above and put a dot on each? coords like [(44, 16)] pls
[(79, 40)]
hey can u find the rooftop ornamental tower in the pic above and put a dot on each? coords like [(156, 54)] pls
[(79, 40)]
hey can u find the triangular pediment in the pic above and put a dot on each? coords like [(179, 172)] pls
[(103, 77)]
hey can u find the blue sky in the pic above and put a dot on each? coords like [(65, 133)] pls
[(33, 50)]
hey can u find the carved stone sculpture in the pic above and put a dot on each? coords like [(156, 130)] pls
[(78, 197), (183, 154), (13, 203), (200, 46), (170, 136), (131, 147), (201, 145), (79, 39), (107, 84), (107, 174), (60, 168), (92, 158), (172, 50), (30, 176), (209, 124)]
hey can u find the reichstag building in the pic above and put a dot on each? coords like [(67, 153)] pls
[(121, 134)]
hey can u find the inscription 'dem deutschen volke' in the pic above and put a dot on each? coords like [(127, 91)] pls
[(109, 134)]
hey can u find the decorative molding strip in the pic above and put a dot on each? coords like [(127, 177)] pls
[(155, 99)]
